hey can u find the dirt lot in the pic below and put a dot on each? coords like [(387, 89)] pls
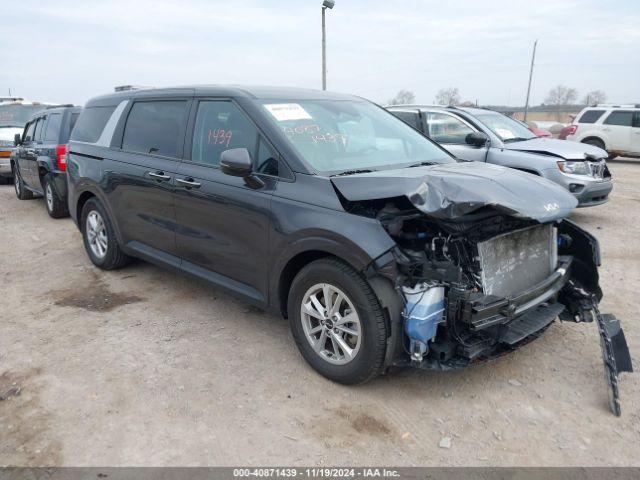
[(143, 367)]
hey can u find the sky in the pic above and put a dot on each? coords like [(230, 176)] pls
[(69, 51)]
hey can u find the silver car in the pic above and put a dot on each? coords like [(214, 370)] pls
[(483, 135)]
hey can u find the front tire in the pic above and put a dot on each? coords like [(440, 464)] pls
[(56, 208), (337, 322), (99, 237)]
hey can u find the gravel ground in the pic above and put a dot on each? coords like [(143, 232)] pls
[(143, 367)]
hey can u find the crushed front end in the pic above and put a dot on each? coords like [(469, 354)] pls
[(482, 284), (484, 261)]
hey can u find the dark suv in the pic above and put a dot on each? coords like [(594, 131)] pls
[(39, 162), (377, 244)]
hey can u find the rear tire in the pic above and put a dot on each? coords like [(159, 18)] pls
[(359, 357), (56, 207), (21, 192), (99, 237)]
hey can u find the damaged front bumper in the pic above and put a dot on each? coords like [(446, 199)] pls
[(479, 327)]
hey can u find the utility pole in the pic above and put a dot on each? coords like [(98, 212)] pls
[(533, 57), (324, 52), (326, 4)]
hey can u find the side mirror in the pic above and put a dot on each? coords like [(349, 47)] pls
[(236, 162), (17, 139), (477, 139)]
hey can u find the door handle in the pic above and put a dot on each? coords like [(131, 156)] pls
[(159, 176), (188, 183)]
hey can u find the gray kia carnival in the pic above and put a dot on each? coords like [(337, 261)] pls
[(379, 247)]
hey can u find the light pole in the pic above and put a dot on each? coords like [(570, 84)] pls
[(533, 58), (325, 4)]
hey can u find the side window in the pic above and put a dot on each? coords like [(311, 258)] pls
[(636, 122), (267, 160), (91, 123), (38, 130), (220, 125), (410, 118), (53, 128), (445, 128), (590, 116), (620, 117), (28, 133), (154, 127)]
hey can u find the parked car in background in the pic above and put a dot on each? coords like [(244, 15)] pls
[(14, 113), (39, 163), (538, 132), (330, 211), (614, 128), (486, 136)]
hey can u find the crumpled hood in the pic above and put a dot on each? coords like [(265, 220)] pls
[(559, 148), (451, 190)]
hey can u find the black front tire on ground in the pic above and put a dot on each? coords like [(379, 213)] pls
[(56, 207), (21, 192), (369, 359), (111, 257)]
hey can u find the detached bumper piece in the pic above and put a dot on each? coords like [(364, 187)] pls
[(615, 355), (613, 344)]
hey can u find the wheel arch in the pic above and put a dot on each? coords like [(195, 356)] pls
[(594, 137), (528, 170), (293, 267), (87, 193)]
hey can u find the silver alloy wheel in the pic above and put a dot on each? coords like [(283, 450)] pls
[(96, 234), (331, 323), (49, 196)]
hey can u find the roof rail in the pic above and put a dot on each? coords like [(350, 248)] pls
[(60, 106), (618, 105), (126, 88)]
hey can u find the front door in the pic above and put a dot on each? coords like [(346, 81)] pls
[(451, 132), (140, 184), (31, 156), (24, 150), (223, 222)]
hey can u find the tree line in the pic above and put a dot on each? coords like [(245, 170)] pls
[(558, 96)]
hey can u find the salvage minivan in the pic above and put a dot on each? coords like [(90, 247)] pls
[(379, 247)]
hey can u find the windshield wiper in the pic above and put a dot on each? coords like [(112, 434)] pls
[(422, 164), (516, 139), (352, 172)]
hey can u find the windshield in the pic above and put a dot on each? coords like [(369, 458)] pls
[(507, 129), (16, 114), (350, 136)]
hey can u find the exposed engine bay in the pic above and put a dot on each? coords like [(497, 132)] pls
[(479, 285)]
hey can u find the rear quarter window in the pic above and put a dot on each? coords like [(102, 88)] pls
[(90, 123), (620, 117), (154, 127), (53, 128), (590, 116)]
